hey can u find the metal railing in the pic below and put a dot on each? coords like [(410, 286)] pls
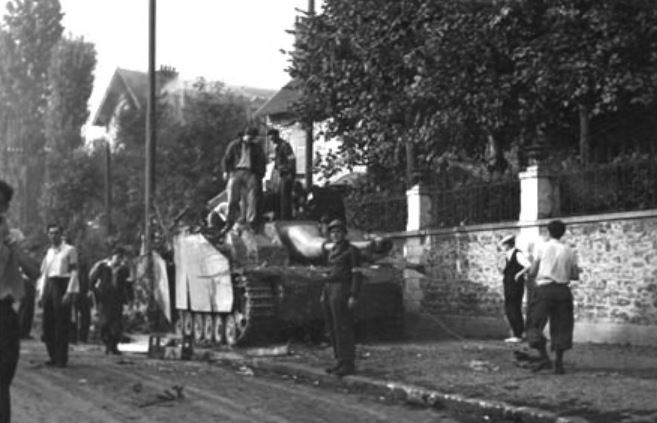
[(609, 188), (476, 204), (377, 212)]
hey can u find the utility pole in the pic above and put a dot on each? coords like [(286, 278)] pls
[(309, 127), (108, 188), (150, 159)]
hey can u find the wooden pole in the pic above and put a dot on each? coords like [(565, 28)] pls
[(309, 128), (150, 160), (108, 188)]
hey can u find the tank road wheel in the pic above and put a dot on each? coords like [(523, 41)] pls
[(240, 321), (187, 323), (208, 327), (231, 330), (198, 327), (218, 328), (179, 324)]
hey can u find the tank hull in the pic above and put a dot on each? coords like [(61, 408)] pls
[(236, 295)]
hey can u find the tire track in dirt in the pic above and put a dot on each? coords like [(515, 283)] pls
[(57, 398)]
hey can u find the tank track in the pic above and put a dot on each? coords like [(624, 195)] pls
[(255, 310)]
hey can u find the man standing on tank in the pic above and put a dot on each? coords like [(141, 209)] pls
[(340, 297), (285, 163), (244, 166)]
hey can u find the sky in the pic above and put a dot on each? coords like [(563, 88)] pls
[(237, 41)]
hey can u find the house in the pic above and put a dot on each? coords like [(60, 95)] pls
[(128, 89), (280, 114)]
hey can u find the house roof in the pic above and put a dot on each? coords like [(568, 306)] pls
[(132, 83), (280, 106)]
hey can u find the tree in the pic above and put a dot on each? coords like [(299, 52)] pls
[(70, 82), (31, 29), (471, 79)]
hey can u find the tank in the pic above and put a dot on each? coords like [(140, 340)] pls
[(252, 288)]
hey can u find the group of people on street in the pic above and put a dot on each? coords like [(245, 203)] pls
[(547, 277), (57, 291)]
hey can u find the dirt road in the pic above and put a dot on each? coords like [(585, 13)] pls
[(130, 388)]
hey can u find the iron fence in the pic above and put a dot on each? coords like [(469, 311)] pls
[(476, 204), (377, 212), (609, 188)]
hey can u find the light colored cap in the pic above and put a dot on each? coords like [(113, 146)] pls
[(508, 239)]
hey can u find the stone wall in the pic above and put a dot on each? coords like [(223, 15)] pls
[(615, 300)]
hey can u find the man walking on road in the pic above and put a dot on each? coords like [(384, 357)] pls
[(555, 266), (56, 291), (244, 166), (108, 279), (285, 163), (340, 296), (13, 260)]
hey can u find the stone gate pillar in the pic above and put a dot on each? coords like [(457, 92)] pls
[(539, 199), (418, 203)]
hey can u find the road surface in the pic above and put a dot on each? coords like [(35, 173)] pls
[(131, 388)]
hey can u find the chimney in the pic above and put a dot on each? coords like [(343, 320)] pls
[(168, 72)]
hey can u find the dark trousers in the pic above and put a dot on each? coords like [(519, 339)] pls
[(9, 351), (82, 319), (56, 320), (553, 302), (26, 309), (285, 185), (110, 316), (513, 293), (339, 321), (243, 187)]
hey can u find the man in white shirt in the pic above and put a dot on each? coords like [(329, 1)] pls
[(555, 266), (58, 285)]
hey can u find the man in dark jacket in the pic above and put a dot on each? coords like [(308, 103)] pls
[(244, 166), (13, 261), (514, 272), (340, 296), (285, 163), (108, 279)]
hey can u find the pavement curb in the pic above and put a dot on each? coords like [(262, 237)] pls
[(394, 391)]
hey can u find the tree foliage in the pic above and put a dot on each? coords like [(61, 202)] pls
[(70, 82), (471, 79), (28, 34), (31, 30)]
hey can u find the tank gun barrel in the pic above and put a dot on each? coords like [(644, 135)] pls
[(305, 242)]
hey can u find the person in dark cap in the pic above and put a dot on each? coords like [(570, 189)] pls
[(285, 163), (516, 266), (244, 166), (340, 297)]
